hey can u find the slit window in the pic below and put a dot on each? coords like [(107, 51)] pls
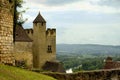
[(16, 34), (42, 23), (49, 50)]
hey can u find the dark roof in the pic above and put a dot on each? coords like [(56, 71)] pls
[(20, 35), (39, 19)]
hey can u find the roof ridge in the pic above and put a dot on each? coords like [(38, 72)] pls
[(39, 19)]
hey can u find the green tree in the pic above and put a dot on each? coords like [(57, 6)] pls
[(18, 18)]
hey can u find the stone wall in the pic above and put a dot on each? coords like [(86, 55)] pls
[(23, 52), (6, 31), (90, 75), (29, 33), (51, 43)]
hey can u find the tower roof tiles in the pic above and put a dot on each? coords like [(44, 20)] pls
[(39, 19)]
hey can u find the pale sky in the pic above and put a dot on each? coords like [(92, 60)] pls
[(78, 21)]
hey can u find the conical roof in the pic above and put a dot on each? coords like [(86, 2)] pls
[(39, 19)]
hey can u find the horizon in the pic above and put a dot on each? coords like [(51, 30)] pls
[(80, 21), (86, 44)]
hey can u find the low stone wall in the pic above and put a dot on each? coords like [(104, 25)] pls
[(90, 75)]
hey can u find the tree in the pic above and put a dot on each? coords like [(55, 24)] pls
[(18, 19)]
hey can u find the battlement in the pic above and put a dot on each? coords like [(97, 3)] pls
[(51, 32), (29, 31)]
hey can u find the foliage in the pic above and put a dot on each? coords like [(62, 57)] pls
[(18, 18), (82, 62), (13, 73), (81, 57)]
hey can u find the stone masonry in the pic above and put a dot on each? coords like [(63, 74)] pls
[(6, 31), (110, 74), (44, 43)]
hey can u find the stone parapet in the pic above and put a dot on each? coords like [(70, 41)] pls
[(111, 74)]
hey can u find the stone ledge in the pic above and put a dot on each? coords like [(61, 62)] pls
[(109, 74)]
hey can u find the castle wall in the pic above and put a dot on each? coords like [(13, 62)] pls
[(23, 52), (38, 52), (51, 43), (29, 33), (88, 75), (6, 31), (41, 40)]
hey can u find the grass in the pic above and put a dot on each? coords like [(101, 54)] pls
[(13, 73)]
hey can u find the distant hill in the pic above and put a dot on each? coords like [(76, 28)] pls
[(63, 49), (13, 73)]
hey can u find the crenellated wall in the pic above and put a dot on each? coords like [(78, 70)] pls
[(90, 75), (51, 42), (44, 44), (6, 31), (51, 32), (29, 32)]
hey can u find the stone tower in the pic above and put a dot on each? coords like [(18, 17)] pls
[(44, 43), (39, 42), (6, 31)]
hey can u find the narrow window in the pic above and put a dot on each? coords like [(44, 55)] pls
[(49, 49), (31, 31), (42, 23), (16, 34)]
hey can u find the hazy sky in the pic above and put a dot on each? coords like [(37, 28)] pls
[(79, 21)]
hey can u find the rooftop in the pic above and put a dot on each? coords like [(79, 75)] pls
[(20, 35), (39, 19)]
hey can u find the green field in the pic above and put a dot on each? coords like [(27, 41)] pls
[(13, 73)]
